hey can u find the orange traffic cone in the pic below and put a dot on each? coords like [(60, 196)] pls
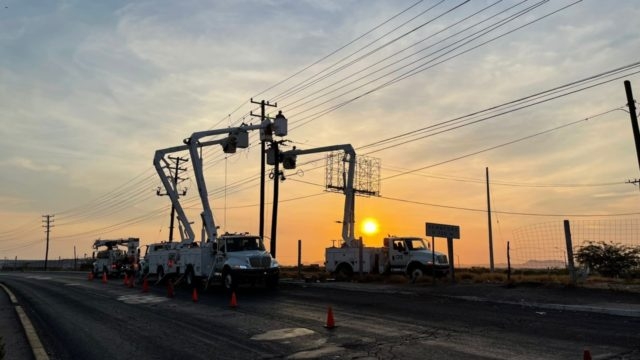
[(234, 301), (104, 277), (586, 355), (126, 280), (330, 322), (194, 296), (90, 275), (145, 285), (169, 288)]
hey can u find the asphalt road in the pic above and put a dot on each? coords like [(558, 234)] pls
[(80, 319)]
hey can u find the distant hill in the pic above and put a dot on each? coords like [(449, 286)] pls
[(541, 264)]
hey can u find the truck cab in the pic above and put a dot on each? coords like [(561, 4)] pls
[(242, 258), (411, 255)]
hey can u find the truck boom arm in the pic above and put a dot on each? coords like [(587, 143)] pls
[(159, 162), (234, 138), (101, 242), (348, 220)]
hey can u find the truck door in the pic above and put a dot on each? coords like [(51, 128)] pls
[(220, 255), (397, 253)]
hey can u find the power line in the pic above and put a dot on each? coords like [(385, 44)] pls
[(114, 206), (453, 123), (506, 183), (507, 212), (501, 145), (304, 86), (337, 50), (395, 54)]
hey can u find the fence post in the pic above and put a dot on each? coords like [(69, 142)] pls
[(299, 259), (360, 269), (508, 263), (567, 236)]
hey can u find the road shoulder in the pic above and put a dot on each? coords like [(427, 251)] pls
[(16, 344)]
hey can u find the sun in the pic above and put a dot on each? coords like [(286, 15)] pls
[(369, 226)]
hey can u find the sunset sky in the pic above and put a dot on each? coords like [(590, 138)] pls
[(436, 90)]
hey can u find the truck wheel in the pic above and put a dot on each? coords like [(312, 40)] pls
[(415, 272), (228, 280), (105, 271), (344, 272)]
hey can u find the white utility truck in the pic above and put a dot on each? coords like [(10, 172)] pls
[(405, 255), (115, 257), (230, 259)]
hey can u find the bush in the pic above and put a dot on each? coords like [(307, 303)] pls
[(608, 259)]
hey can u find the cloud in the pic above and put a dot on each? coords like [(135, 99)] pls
[(91, 89), (31, 165)]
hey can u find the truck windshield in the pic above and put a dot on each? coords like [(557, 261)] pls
[(243, 244), (416, 244)]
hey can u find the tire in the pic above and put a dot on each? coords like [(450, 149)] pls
[(228, 280), (105, 271), (344, 272), (415, 272)]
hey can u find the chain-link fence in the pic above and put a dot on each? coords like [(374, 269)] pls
[(542, 246)]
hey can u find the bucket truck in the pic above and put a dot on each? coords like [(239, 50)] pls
[(232, 258), (228, 258), (115, 257), (408, 255)]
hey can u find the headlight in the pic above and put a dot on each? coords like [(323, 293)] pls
[(239, 267), (274, 263)]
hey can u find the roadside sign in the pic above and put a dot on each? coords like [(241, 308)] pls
[(443, 230)]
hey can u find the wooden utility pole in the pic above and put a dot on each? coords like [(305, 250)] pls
[(634, 117), (299, 259), (175, 179), (570, 264), (263, 104), (47, 225), (276, 191), (489, 222)]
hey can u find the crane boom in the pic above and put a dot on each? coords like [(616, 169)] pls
[(348, 220), (187, 234), (238, 137)]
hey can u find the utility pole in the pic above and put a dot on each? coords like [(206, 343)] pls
[(263, 139), (278, 175), (176, 178), (489, 222), (631, 103), (47, 225), (276, 190)]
